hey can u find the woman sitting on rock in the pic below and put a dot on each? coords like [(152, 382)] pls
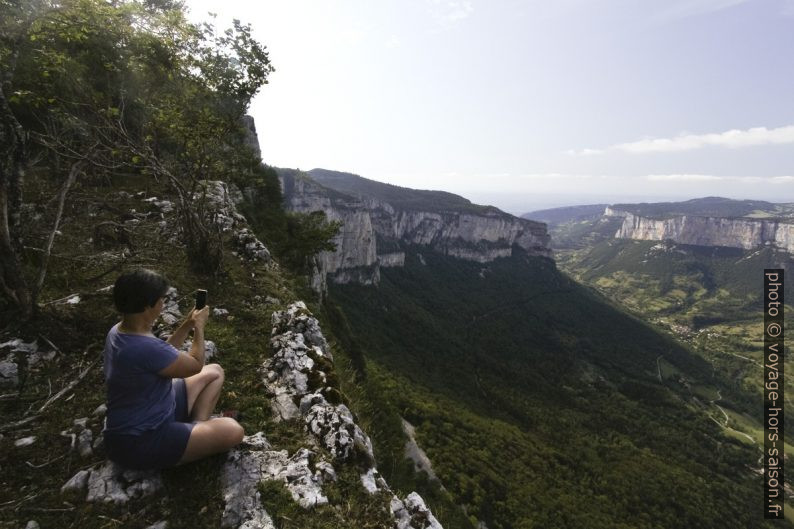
[(159, 399)]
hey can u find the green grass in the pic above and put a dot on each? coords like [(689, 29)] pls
[(192, 496)]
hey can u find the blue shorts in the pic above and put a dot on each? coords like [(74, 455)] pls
[(159, 448)]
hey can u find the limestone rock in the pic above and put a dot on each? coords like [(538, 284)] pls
[(707, 231), (165, 206), (77, 482), (251, 138), (252, 463), (374, 229), (373, 481), (413, 513), (250, 246), (334, 427), (17, 345), (25, 441), (298, 320), (416, 454), (239, 477), (222, 199), (9, 373), (171, 314), (300, 354), (110, 483), (14, 349), (210, 349), (84, 440), (283, 405)]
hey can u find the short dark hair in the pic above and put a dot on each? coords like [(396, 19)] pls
[(138, 289)]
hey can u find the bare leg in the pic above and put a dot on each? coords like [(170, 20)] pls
[(203, 391), (211, 437)]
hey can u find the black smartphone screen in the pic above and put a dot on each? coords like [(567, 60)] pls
[(201, 298)]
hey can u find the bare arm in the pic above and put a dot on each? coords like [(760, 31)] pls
[(197, 348), (187, 365), (180, 335)]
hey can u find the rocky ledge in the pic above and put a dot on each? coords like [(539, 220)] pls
[(298, 378)]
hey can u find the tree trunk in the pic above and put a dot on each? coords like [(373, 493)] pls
[(13, 155)]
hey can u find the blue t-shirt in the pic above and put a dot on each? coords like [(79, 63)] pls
[(138, 399)]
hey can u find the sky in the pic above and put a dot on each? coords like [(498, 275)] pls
[(531, 104)]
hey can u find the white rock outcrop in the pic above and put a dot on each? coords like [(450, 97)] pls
[(368, 222), (221, 199), (707, 231), (110, 483), (255, 462), (298, 372), (14, 350), (413, 513)]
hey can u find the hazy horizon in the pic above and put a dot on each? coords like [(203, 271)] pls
[(528, 105)]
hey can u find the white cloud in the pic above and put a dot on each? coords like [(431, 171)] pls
[(584, 152), (686, 142), (450, 11), (683, 177)]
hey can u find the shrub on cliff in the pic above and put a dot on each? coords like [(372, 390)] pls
[(91, 88)]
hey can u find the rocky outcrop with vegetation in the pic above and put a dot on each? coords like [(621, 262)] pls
[(376, 229)]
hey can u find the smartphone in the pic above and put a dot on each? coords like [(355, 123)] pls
[(201, 298)]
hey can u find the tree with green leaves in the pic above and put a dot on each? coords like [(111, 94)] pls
[(100, 87), (307, 235)]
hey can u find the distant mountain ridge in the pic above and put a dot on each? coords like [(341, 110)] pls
[(380, 219), (566, 214), (708, 221), (397, 196), (711, 207)]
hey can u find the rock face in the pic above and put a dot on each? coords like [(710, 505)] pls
[(297, 377), (707, 231), (251, 138), (375, 231)]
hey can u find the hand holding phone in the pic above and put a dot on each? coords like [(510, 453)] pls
[(201, 298)]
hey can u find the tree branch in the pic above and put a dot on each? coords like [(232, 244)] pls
[(76, 168)]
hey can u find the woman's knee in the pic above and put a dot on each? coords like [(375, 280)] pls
[(238, 435), (215, 368), (210, 373), (236, 432)]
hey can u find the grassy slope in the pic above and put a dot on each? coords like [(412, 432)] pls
[(499, 368), (192, 497), (709, 297)]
